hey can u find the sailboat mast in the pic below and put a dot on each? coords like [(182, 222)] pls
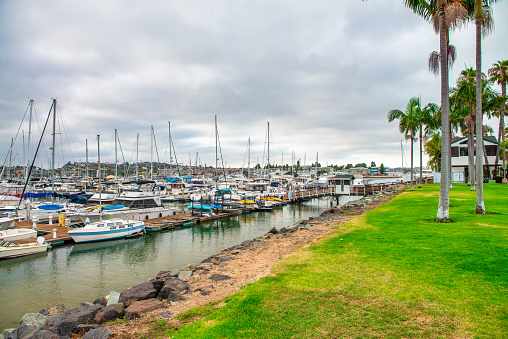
[(116, 155), (86, 146), (29, 134), (216, 154), (53, 150), (137, 152), (170, 153), (248, 168), (268, 149), (151, 153), (99, 173)]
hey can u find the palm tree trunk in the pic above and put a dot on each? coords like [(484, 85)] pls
[(480, 205), (412, 140), (501, 128), (421, 170), (470, 155), (443, 214)]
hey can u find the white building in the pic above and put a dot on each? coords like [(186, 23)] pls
[(460, 151)]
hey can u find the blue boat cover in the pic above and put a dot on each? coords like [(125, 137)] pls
[(50, 207)]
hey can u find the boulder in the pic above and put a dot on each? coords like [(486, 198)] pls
[(139, 307), (142, 291), (157, 284), (272, 230), (283, 230), (173, 284), (219, 277), (33, 319), (163, 275), (5, 333), (113, 298), (165, 314), (111, 312), (53, 309), (174, 296), (31, 332), (24, 331), (98, 333), (101, 301), (66, 322)]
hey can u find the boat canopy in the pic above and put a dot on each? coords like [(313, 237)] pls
[(50, 207)]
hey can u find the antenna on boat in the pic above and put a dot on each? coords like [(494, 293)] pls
[(53, 152)]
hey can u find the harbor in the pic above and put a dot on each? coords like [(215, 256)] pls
[(71, 273)]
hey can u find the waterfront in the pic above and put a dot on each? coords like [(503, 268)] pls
[(83, 272)]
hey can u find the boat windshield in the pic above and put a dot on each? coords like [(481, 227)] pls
[(137, 203)]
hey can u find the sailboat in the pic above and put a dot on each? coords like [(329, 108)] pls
[(114, 228)]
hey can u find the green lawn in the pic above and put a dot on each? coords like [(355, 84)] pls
[(390, 273)]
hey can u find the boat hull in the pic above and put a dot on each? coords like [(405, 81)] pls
[(22, 250), (17, 234), (94, 232), (127, 214)]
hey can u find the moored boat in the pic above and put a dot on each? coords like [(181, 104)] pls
[(107, 230), (11, 250), (17, 234)]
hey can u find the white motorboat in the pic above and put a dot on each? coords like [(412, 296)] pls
[(17, 234), (129, 205), (107, 230), (6, 222), (11, 250)]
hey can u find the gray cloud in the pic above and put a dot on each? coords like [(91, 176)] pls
[(323, 73)]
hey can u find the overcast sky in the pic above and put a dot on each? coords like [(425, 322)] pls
[(323, 73)]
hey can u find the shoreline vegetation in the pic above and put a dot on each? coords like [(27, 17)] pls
[(378, 267)]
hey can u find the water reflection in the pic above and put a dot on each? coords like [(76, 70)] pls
[(83, 272)]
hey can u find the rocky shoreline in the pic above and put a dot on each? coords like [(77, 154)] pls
[(174, 292)]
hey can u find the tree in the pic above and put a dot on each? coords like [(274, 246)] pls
[(409, 123), (362, 164), (382, 169), (427, 118), (499, 73), (433, 150), (372, 164), (428, 11), (348, 166)]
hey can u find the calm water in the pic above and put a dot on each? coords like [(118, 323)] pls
[(71, 274)]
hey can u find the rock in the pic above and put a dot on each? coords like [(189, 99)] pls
[(226, 258), (109, 313), (113, 298), (215, 260), (157, 284), (66, 322), (53, 310), (24, 331), (31, 332), (142, 291), (236, 251), (202, 291), (189, 267), (219, 277), (184, 275), (5, 333), (175, 296), (84, 328), (101, 301), (283, 230), (33, 319), (139, 307), (162, 275), (273, 230), (98, 333), (165, 314), (173, 284), (203, 267)]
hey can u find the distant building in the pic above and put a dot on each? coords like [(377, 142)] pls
[(357, 171), (460, 152)]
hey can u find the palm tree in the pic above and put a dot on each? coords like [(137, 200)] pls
[(426, 9), (433, 150), (428, 118), (409, 123), (499, 73)]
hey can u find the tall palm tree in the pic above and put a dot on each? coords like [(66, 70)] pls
[(499, 73), (484, 25), (409, 124), (426, 9)]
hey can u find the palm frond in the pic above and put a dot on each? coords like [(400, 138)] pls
[(434, 63)]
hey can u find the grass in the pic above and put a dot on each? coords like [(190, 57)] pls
[(390, 273)]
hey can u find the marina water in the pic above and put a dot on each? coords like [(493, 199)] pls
[(70, 274)]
